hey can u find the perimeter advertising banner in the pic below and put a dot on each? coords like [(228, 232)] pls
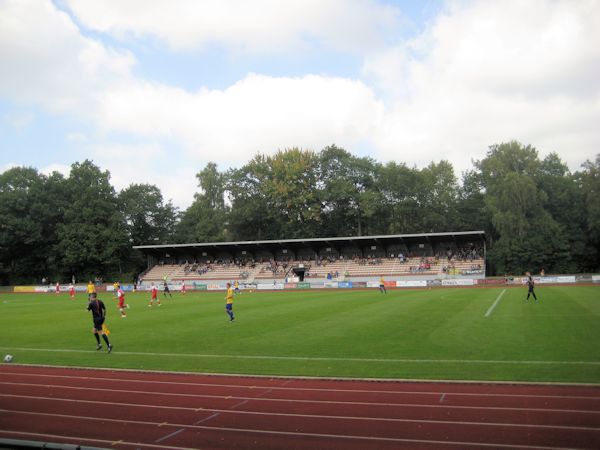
[(30, 289), (44, 289), (562, 279), (459, 282), (270, 286), (411, 283), (345, 284)]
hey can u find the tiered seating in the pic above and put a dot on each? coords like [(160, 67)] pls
[(265, 271), (349, 268), (456, 267), (217, 272), (158, 272)]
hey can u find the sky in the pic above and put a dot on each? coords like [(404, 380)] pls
[(152, 90)]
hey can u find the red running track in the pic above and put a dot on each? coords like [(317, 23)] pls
[(149, 410)]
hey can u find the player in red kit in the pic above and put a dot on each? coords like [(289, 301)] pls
[(72, 291), (154, 296), (57, 288), (122, 304)]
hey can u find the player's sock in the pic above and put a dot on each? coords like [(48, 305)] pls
[(97, 338), (105, 337)]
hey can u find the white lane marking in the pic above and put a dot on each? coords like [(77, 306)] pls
[(217, 412), (489, 311), (281, 388), (316, 358), (174, 433), (285, 433), (326, 402)]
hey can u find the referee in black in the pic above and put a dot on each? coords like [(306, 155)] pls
[(530, 286), (96, 306)]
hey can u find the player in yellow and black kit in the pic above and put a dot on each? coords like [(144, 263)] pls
[(229, 302), (96, 306)]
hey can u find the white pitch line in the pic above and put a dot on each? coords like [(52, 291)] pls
[(489, 311), (315, 358), (289, 400), (289, 433), (282, 388)]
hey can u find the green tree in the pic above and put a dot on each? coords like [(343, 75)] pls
[(349, 192), (438, 198), (206, 219), (93, 238), (589, 180), (29, 211), (528, 237), (148, 220)]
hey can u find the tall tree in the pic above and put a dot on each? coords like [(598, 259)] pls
[(93, 239), (590, 184), (529, 238), (31, 206), (349, 192), (148, 220), (439, 196), (206, 219)]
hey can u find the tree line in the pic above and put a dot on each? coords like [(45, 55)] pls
[(535, 212)]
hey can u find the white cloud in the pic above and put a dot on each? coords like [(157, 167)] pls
[(147, 163), (259, 113), (489, 72), (260, 26), (482, 73), (46, 60)]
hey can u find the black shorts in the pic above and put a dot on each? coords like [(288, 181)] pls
[(98, 321)]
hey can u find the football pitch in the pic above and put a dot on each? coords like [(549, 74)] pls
[(443, 334)]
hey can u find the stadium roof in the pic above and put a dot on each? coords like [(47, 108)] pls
[(296, 244)]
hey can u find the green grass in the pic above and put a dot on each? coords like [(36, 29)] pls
[(424, 334)]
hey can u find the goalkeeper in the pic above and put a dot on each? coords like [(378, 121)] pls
[(96, 306)]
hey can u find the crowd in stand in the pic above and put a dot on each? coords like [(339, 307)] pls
[(280, 264)]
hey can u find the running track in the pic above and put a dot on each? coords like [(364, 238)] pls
[(149, 410)]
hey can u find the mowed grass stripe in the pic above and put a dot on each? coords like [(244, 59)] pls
[(326, 333)]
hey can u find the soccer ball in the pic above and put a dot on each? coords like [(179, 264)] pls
[(8, 358)]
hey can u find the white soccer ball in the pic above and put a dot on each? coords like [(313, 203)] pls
[(8, 358)]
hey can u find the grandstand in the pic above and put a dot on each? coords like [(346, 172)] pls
[(409, 256)]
